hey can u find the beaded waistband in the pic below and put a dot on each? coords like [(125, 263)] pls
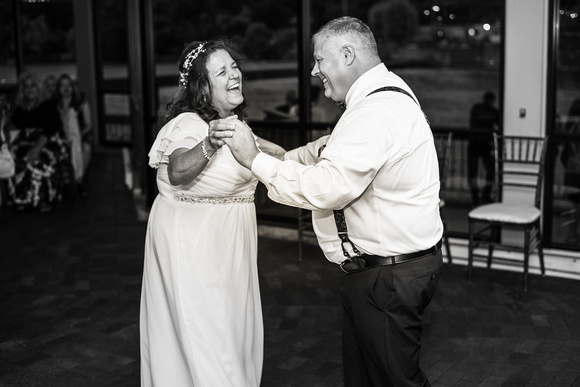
[(182, 197)]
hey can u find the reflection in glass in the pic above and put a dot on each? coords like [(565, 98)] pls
[(566, 144), (568, 69)]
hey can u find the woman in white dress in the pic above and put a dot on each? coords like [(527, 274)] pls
[(201, 317)]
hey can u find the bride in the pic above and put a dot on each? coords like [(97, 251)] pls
[(201, 317)]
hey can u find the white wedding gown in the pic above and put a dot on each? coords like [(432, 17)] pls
[(201, 317)]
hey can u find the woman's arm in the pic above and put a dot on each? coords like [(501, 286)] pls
[(34, 152), (85, 110), (186, 164), (270, 148)]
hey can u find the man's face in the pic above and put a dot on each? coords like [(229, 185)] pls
[(328, 66)]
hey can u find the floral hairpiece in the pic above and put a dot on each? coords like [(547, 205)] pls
[(189, 58)]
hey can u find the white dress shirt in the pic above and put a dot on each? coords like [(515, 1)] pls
[(379, 165)]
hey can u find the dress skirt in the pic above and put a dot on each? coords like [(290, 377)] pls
[(201, 318)]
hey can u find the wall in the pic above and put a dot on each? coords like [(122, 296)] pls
[(526, 39)]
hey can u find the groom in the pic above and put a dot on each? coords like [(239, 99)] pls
[(373, 187)]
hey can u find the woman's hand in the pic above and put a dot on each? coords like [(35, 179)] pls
[(216, 132), (238, 136)]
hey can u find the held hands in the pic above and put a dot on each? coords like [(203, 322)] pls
[(238, 137)]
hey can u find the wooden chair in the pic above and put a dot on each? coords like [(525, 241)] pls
[(519, 164), (443, 147)]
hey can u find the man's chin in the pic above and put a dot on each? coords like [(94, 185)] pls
[(328, 93)]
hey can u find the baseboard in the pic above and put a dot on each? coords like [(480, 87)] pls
[(558, 263)]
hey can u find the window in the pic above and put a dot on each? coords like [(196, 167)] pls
[(264, 31), (448, 52), (565, 134), (45, 35), (111, 23)]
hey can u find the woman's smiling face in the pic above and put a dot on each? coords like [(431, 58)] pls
[(226, 82)]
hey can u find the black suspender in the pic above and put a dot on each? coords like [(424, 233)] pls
[(392, 88)]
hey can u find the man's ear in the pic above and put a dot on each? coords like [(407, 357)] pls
[(348, 54)]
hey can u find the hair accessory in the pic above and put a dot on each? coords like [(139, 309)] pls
[(189, 58)]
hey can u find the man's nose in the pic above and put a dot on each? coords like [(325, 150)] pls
[(315, 71)]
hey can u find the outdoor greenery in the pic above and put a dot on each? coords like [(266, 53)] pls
[(264, 29)]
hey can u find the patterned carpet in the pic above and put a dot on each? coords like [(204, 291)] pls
[(70, 284)]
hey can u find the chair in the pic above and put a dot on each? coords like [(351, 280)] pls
[(443, 147), (519, 164)]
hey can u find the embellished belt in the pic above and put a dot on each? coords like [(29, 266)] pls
[(363, 262), (182, 197)]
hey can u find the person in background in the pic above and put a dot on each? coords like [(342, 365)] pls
[(201, 317), (282, 112), (48, 87), (483, 117), (76, 119), (39, 147), (289, 102), (317, 113), (373, 188)]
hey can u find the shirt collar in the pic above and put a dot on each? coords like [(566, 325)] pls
[(363, 85)]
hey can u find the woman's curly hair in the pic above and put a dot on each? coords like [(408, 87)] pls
[(196, 95)]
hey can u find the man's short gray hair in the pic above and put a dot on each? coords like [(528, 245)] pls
[(352, 27)]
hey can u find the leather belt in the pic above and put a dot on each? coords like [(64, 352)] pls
[(363, 262)]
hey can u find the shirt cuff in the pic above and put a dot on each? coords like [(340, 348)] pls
[(263, 167)]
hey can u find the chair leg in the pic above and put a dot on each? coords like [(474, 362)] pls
[(492, 238), (526, 257), (540, 249), (470, 251), (447, 248), (446, 242)]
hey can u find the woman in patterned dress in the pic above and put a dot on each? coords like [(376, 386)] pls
[(39, 146)]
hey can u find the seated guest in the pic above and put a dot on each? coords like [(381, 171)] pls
[(39, 147), (48, 87)]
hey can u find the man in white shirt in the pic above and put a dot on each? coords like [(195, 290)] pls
[(379, 166)]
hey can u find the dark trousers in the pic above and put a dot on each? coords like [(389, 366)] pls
[(383, 310)]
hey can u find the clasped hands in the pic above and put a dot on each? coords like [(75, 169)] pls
[(237, 136)]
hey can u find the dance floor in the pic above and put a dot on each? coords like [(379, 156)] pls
[(70, 284)]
